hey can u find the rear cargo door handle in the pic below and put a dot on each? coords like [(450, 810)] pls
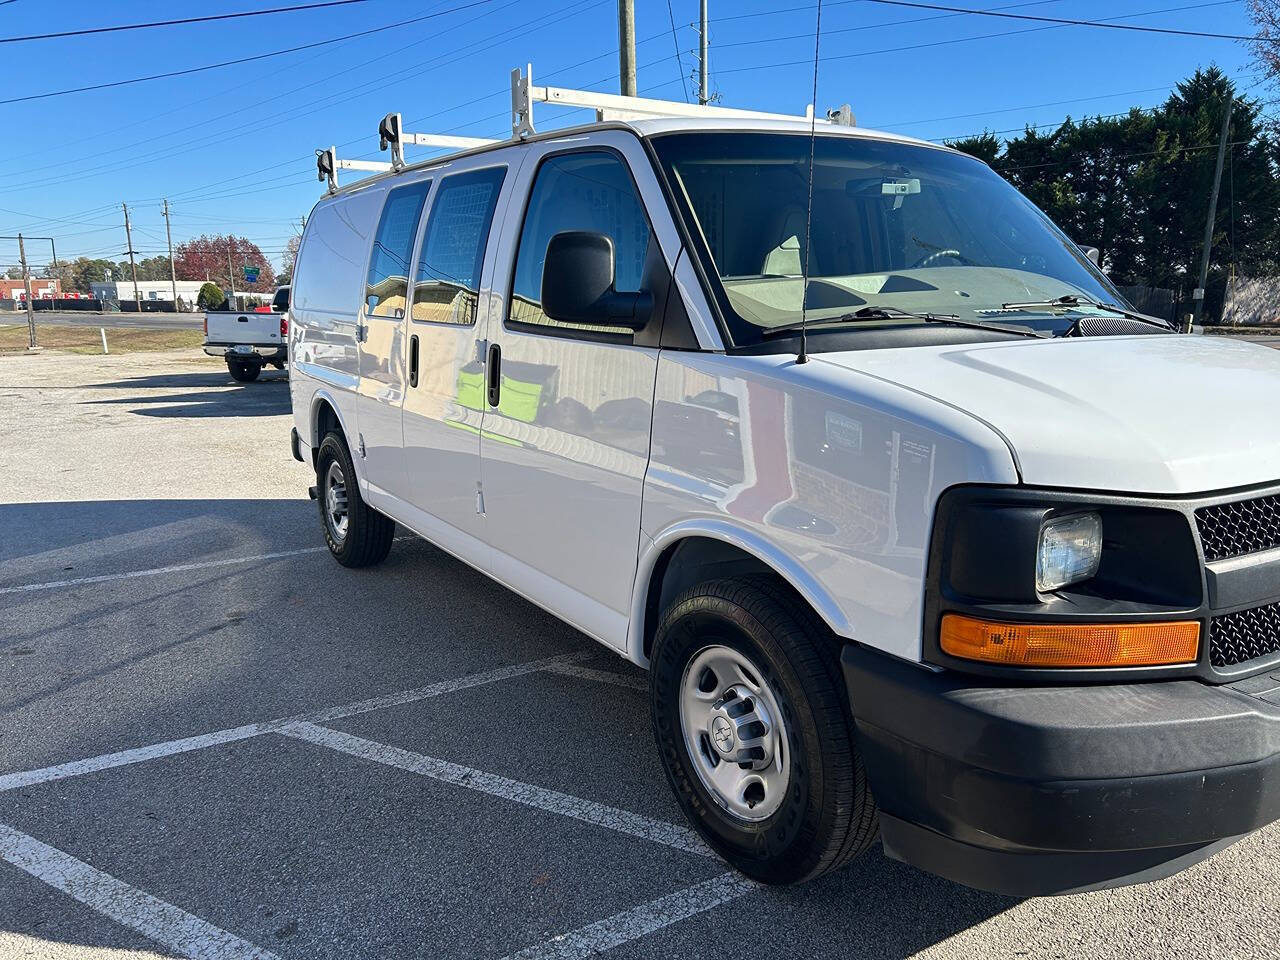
[(493, 374), (413, 360)]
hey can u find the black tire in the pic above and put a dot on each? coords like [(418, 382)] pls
[(244, 372), (368, 535), (827, 815)]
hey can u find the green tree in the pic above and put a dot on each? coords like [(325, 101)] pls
[(1137, 186), (210, 297)]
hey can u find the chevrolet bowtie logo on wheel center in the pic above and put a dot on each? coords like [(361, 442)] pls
[(722, 734)]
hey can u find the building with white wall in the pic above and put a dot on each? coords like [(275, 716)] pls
[(147, 290)]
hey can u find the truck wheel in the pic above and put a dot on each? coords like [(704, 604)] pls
[(243, 372), (357, 535), (755, 732)]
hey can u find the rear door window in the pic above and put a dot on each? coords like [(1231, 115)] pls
[(387, 288), (446, 288)]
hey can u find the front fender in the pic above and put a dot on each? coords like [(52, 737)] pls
[(748, 541)]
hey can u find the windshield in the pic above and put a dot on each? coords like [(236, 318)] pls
[(896, 226)]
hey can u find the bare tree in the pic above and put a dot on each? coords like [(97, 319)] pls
[(1266, 17)]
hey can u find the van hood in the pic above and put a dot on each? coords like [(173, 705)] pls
[(1145, 414)]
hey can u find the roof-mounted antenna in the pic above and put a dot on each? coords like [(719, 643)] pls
[(803, 355)]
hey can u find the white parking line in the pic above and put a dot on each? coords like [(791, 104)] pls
[(541, 798), (647, 918), (75, 768), (601, 676), (159, 571), (121, 758), (182, 932)]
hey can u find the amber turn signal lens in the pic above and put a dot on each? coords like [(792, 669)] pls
[(1070, 644)]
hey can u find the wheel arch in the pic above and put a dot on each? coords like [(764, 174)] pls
[(326, 414), (687, 552)]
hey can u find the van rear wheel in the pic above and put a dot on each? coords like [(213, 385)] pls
[(755, 733), (357, 535)]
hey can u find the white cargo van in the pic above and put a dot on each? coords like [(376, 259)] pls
[(975, 558)]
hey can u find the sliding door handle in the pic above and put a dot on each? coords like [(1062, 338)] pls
[(493, 374), (413, 360)]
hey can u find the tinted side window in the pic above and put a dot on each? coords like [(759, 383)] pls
[(386, 291), (579, 191), (447, 285)]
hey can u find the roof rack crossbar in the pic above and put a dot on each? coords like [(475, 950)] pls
[(608, 106)]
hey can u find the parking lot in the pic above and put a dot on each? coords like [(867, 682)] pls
[(215, 742)]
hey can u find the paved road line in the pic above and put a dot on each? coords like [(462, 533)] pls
[(647, 918), (442, 686), (541, 798), (603, 676), (158, 571), (170, 926), (75, 768), (177, 568)]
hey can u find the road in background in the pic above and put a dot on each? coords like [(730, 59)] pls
[(140, 321)]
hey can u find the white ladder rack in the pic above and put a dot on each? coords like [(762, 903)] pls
[(524, 94)]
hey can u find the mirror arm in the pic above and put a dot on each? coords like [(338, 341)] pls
[(631, 310)]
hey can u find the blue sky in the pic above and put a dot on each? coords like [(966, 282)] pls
[(232, 148)]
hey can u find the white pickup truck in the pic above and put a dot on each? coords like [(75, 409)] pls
[(250, 340)]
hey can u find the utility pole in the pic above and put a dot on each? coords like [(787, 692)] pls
[(26, 283), (703, 95), (231, 272), (627, 46), (128, 234), (1197, 297), (173, 273)]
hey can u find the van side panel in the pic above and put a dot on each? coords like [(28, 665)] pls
[(327, 285), (829, 480)]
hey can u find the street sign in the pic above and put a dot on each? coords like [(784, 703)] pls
[(251, 274)]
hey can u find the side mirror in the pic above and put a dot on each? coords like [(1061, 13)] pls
[(577, 284)]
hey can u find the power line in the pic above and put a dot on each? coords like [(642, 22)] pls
[(1063, 21), (986, 36), (232, 63), (916, 46), (174, 23), (256, 105), (679, 60)]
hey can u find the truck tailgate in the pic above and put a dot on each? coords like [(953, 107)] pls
[(231, 327)]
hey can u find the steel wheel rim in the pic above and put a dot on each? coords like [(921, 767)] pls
[(734, 733), (335, 501)]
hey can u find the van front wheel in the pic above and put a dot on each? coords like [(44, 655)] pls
[(755, 733), (357, 535)]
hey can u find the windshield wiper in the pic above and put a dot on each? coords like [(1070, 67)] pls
[(1072, 301), (872, 312)]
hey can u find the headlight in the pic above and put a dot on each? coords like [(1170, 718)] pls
[(1069, 550)]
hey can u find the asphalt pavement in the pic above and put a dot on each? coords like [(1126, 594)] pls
[(216, 742)]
